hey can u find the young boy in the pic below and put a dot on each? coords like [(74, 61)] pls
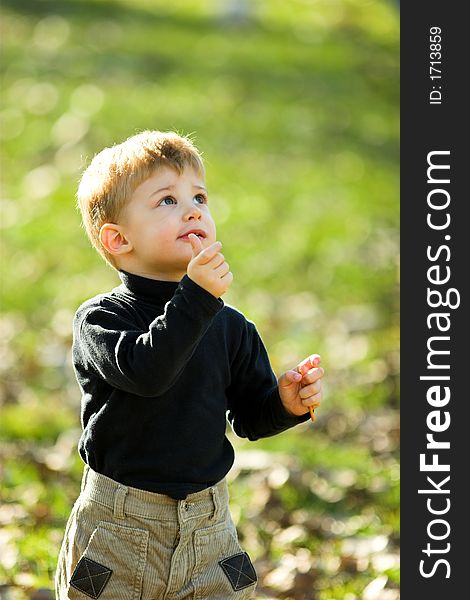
[(161, 361)]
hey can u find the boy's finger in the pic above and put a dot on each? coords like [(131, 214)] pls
[(313, 401), (227, 278), (208, 253), (196, 244), (313, 375), (310, 390), (308, 363), (222, 269), (217, 260)]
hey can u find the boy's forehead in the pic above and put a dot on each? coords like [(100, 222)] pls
[(166, 177)]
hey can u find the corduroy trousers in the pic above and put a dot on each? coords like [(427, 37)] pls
[(122, 543)]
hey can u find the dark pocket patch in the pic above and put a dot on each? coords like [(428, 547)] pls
[(90, 577), (239, 570)]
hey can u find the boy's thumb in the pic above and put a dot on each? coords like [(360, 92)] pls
[(289, 377), (195, 244)]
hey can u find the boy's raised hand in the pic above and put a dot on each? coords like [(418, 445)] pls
[(208, 268), (300, 388)]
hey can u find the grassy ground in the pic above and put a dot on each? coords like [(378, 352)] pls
[(295, 107)]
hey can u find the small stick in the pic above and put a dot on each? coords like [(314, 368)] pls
[(312, 414), (314, 363)]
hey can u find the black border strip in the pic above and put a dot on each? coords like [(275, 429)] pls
[(438, 128)]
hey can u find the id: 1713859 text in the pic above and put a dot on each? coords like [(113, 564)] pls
[(435, 62)]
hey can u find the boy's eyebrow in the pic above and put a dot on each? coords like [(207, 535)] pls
[(170, 187)]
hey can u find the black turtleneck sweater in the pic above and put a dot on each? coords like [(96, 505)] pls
[(160, 365)]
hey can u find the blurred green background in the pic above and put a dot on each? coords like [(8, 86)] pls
[(295, 107)]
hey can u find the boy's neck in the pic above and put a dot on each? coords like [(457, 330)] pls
[(130, 267), (156, 276)]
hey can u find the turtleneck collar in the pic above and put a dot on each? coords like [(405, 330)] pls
[(145, 288)]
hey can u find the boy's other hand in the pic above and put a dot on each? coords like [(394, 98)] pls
[(208, 268), (301, 387)]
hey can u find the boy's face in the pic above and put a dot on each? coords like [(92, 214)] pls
[(162, 211)]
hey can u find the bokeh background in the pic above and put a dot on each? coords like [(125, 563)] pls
[(295, 107)]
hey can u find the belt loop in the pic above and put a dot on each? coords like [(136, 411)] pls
[(86, 470), (215, 502), (119, 499)]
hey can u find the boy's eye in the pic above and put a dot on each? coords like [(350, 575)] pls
[(200, 198), (168, 201)]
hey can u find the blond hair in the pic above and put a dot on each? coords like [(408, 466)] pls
[(114, 173)]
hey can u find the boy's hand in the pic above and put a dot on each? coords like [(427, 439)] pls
[(300, 388), (208, 268)]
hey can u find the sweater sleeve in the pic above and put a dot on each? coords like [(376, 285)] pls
[(255, 407), (143, 362)]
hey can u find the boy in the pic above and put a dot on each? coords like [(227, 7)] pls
[(161, 361)]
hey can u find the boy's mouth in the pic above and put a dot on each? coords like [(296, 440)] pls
[(200, 234)]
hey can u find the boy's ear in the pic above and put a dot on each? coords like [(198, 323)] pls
[(113, 239)]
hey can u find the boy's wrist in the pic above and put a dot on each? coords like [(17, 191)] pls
[(201, 286), (203, 296), (283, 414)]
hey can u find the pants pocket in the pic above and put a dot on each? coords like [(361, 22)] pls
[(112, 565), (222, 569)]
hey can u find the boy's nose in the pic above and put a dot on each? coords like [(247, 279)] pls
[(192, 212)]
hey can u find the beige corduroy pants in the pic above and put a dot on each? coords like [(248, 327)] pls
[(122, 543)]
